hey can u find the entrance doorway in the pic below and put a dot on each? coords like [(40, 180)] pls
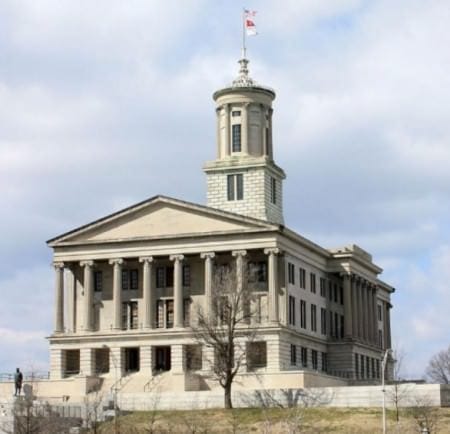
[(131, 359), (162, 359)]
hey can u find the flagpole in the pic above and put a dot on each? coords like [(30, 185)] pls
[(244, 48)]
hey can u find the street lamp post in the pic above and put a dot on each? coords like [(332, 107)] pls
[(383, 368)]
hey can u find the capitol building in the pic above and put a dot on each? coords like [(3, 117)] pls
[(128, 286)]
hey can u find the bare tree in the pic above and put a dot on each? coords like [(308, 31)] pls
[(400, 391), (226, 326), (438, 369), (425, 414)]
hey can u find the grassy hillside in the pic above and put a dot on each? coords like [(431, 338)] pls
[(277, 421)]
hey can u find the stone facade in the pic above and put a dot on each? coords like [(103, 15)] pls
[(127, 285)]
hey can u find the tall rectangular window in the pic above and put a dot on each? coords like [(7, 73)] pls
[(98, 281), (336, 325), (323, 288), (186, 275), (312, 278), (130, 279), (314, 359), (331, 324), (236, 138), (235, 187), (341, 334), (302, 278), (330, 290), (291, 310), (323, 321), (257, 272), (293, 355), (313, 317), (160, 277), (273, 190), (379, 312), (304, 354), (303, 314), (357, 365), (129, 315), (291, 273), (324, 362)]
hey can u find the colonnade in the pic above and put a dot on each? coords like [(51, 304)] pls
[(360, 308), (149, 290)]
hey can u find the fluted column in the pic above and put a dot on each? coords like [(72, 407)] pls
[(208, 257), (369, 312), (365, 310), (348, 324), (220, 145), (273, 284), (227, 143), (59, 297), (239, 255), (270, 144), (360, 309), (375, 315), (178, 289), (88, 281), (148, 289), (354, 306), (264, 145), (117, 292), (388, 325), (244, 138), (70, 286)]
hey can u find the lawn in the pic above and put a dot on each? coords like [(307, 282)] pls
[(277, 421)]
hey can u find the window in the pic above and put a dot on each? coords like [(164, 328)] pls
[(323, 321), (357, 365), (323, 287), (236, 138), (187, 312), (324, 362), (373, 367), (341, 295), (256, 355), (273, 190), (342, 327), (379, 312), (312, 278), (367, 367), (378, 368), (314, 359), (304, 356), (257, 272), (331, 324), (186, 275), (235, 187), (380, 338), (291, 273), (336, 325), (235, 113), (164, 314), (130, 279), (293, 355), (98, 281), (330, 290), (164, 277), (291, 310), (303, 314), (362, 366), (335, 293), (302, 278), (313, 317), (193, 357), (129, 315)]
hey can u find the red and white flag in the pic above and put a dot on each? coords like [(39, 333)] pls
[(249, 22)]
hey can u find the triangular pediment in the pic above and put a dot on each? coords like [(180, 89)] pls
[(161, 217)]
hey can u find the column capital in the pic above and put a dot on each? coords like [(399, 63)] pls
[(207, 255), (87, 263), (176, 258), (116, 261), (236, 253), (272, 251), (146, 259), (58, 265)]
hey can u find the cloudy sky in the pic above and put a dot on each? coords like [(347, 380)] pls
[(105, 103)]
